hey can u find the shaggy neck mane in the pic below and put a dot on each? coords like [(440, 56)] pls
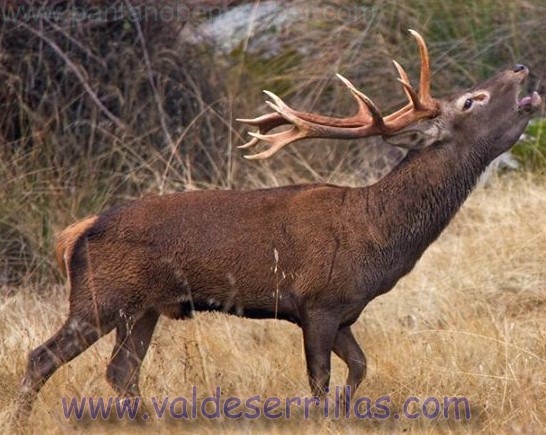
[(416, 201)]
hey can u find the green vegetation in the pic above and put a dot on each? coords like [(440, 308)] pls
[(531, 151)]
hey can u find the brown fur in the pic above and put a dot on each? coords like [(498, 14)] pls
[(314, 255)]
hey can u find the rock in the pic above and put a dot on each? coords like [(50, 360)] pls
[(256, 26)]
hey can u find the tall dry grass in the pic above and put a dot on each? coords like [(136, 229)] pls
[(468, 321)]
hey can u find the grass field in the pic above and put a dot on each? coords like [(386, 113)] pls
[(469, 321)]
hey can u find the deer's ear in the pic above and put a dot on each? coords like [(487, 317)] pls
[(417, 138)]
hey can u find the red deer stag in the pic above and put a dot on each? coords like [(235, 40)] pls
[(314, 255)]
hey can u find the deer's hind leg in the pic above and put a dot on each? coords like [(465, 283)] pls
[(74, 337), (132, 342)]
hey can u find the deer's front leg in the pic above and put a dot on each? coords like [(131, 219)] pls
[(319, 334)]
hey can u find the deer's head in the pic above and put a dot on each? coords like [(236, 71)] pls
[(490, 115)]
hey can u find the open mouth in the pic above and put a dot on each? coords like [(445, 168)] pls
[(529, 103)]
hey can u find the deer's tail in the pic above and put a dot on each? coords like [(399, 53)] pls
[(67, 239)]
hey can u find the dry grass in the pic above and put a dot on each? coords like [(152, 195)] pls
[(468, 321)]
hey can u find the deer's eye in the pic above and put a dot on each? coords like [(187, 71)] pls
[(468, 104)]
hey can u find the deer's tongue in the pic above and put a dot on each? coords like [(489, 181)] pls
[(531, 100), (525, 101)]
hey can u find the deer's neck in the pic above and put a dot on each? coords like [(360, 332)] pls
[(413, 204)]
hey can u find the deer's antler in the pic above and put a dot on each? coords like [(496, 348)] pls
[(368, 121)]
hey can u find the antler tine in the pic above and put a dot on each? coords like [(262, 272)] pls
[(300, 130), (363, 107), (270, 118), (364, 101), (424, 84), (422, 103), (253, 142), (413, 97), (264, 123), (403, 77), (277, 141)]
